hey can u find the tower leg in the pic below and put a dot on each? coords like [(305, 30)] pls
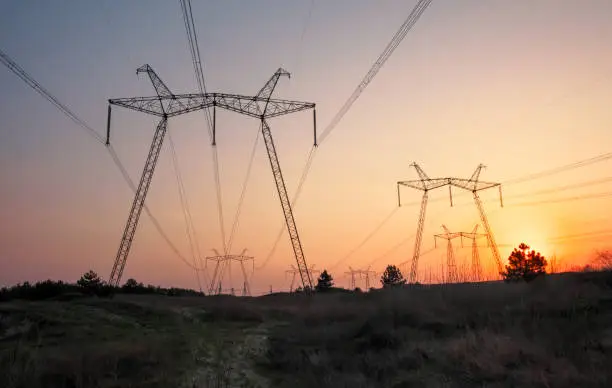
[(476, 268), (488, 233), (138, 203), (450, 263), (286, 205), (417, 241)]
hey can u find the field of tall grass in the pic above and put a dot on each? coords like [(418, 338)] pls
[(553, 332)]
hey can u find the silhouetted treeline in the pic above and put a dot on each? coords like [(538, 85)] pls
[(59, 290)]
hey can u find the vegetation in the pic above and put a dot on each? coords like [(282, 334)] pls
[(89, 284), (550, 332), (524, 264), (392, 277), (325, 282), (603, 260)]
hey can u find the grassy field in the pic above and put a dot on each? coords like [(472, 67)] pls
[(553, 332)]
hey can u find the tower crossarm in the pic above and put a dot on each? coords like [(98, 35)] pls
[(425, 184), (471, 185), (179, 104)]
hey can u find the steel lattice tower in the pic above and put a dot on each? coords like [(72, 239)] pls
[(223, 261), (474, 185), (425, 184), (166, 105), (476, 265), (295, 271), (451, 264)]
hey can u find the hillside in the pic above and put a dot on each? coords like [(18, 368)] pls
[(554, 332)]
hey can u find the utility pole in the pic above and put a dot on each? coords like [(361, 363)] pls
[(474, 185), (425, 184), (476, 266), (451, 265), (166, 105)]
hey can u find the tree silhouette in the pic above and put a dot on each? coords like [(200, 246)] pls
[(325, 282), (524, 264), (90, 282), (392, 277), (603, 260)]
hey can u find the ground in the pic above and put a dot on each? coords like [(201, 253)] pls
[(553, 332)]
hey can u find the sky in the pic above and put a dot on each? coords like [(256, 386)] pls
[(521, 86)]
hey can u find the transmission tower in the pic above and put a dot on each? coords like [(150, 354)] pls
[(223, 262), (296, 271), (476, 266), (165, 105), (451, 264), (425, 184), (474, 185), (263, 111), (365, 274)]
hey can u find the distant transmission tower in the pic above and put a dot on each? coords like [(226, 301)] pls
[(365, 274), (451, 264), (476, 266), (165, 105), (424, 184), (223, 262), (474, 185), (295, 271)]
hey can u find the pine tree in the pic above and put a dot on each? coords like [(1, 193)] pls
[(392, 277), (325, 282), (524, 264), (90, 282)]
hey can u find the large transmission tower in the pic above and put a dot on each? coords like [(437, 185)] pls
[(476, 265), (425, 184), (165, 105), (474, 185), (264, 110), (451, 264)]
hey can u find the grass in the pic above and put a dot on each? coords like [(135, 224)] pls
[(553, 332)]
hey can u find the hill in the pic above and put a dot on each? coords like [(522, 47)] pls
[(553, 332)]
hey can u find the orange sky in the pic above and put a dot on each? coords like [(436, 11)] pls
[(520, 86)]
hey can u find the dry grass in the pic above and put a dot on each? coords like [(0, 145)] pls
[(555, 332)]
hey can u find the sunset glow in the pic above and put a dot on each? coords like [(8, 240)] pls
[(466, 86)]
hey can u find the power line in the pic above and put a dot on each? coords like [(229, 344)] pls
[(189, 227), (194, 49), (557, 170), (368, 237), (413, 17), (242, 193), (31, 82), (7, 61)]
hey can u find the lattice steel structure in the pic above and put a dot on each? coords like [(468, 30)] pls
[(474, 185), (165, 105), (425, 184), (222, 262), (295, 271), (451, 264), (476, 265), (365, 274)]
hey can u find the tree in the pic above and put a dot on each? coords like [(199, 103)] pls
[(603, 260), (90, 282), (325, 282), (392, 277), (524, 264)]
